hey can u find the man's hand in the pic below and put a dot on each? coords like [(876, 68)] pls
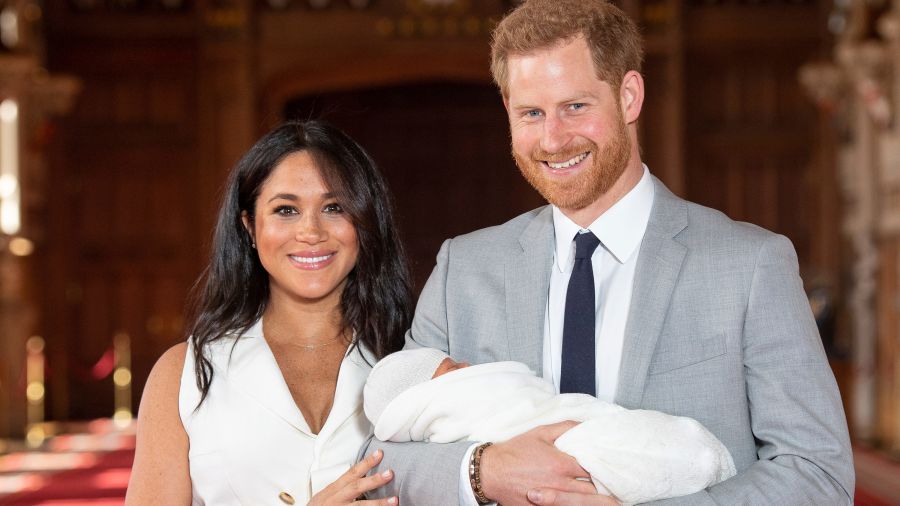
[(550, 497), (529, 461)]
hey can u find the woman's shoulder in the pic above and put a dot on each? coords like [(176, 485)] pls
[(162, 443), (159, 401), (164, 381), (171, 362)]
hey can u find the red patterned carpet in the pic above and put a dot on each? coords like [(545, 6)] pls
[(877, 479), (91, 468)]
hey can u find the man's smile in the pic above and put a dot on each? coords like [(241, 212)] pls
[(568, 163), (566, 167)]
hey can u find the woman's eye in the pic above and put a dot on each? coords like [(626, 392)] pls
[(333, 208), (285, 211)]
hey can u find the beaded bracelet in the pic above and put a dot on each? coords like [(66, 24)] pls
[(475, 474)]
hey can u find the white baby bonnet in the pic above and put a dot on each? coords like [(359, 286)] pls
[(396, 373)]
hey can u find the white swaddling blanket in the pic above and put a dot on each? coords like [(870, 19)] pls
[(634, 455)]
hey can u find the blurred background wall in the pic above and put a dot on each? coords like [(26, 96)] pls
[(130, 113)]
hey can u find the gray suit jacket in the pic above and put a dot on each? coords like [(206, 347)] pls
[(719, 330)]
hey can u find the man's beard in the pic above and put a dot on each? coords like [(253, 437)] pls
[(584, 188)]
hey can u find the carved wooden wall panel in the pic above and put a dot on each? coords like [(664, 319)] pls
[(661, 127), (750, 142), (125, 242)]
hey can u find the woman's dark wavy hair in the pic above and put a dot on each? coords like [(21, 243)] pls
[(233, 291)]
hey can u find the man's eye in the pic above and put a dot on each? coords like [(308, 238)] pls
[(534, 113), (285, 211), (333, 208), (576, 106)]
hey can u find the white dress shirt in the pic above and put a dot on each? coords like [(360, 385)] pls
[(620, 230)]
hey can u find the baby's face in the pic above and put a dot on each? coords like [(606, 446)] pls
[(448, 365)]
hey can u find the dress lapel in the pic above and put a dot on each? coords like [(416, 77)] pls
[(253, 370), (260, 448), (656, 274), (256, 373), (348, 392), (527, 286)]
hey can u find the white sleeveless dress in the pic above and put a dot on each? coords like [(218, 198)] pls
[(249, 443)]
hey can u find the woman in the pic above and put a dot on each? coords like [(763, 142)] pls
[(307, 286)]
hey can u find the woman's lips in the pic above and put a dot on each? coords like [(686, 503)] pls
[(312, 261)]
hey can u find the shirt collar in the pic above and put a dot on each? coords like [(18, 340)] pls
[(620, 229)]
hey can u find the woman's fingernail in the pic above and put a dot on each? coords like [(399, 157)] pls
[(535, 496), (386, 474), (378, 452), (392, 500)]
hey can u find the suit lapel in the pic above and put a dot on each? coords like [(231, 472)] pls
[(527, 286), (656, 274)]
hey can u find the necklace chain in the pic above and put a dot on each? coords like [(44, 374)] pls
[(316, 346)]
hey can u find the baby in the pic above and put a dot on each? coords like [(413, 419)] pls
[(633, 455)]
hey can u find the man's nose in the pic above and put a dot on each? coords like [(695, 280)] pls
[(555, 135)]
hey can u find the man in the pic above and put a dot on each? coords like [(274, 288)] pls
[(687, 312)]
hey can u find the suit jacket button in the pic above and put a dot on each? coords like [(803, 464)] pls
[(286, 498)]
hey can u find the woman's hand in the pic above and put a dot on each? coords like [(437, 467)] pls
[(354, 483)]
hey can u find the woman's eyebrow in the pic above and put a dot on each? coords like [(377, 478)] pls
[(294, 198), (285, 196)]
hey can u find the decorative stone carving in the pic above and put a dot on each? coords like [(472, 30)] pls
[(889, 134), (860, 91)]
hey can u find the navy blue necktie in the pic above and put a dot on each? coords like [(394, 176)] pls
[(577, 373)]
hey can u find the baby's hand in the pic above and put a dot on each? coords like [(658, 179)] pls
[(448, 365)]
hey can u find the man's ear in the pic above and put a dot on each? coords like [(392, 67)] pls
[(631, 95), (248, 226)]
